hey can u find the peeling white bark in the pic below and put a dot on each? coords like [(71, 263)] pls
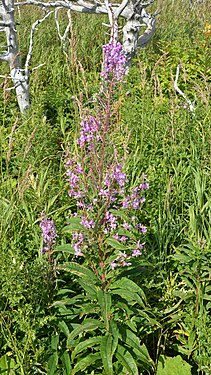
[(12, 55)]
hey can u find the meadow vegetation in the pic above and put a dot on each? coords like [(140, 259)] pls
[(48, 313)]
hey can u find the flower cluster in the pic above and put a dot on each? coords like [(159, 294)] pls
[(89, 133), (112, 218), (48, 232), (74, 173), (120, 261), (114, 62), (77, 242), (135, 199), (113, 182)]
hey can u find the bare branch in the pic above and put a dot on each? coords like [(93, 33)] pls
[(29, 55), (81, 7), (64, 36), (191, 106)]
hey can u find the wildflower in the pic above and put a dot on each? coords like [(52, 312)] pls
[(136, 253), (114, 62), (120, 261), (74, 171), (207, 30), (89, 132), (77, 243), (87, 223), (48, 232)]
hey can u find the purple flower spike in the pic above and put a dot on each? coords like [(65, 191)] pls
[(48, 232), (114, 62), (89, 132)]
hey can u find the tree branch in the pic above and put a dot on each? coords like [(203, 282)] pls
[(29, 55), (64, 36), (191, 106)]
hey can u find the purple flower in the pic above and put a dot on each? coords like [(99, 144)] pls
[(115, 174), (74, 173), (114, 62), (48, 232), (125, 225), (77, 242), (87, 223), (89, 132), (120, 261), (136, 253)]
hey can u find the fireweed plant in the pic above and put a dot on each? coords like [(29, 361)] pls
[(101, 321), (106, 212)]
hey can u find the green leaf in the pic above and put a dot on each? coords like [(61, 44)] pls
[(91, 290), (173, 366), (64, 291), (106, 353), (74, 225), (64, 328), (104, 300), (86, 362), (67, 248), (141, 351), (81, 328), (52, 364), (115, 333), (80, 271), (125, 232), (65, 358), (6, 365), (86, 344), (207, 297), (115, 244), (132, 340), (129, 285), (126, 359), (54, 342), (173, 308), (131, 297)]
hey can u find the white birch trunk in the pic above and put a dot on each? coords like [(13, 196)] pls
[(12, 56)]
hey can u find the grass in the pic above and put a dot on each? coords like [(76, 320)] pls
[(160, 139)]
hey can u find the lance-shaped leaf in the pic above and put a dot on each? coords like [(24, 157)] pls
[(66, 363), (52, 364), (64, 328), (80, 271), (104, 300), (85, 362), (127, 284), (74, 225), (115, 244), (66, 248), (91, 325), (127, 360), (141, 351), (106, 353), (90, 289), (82, 346), (131, 297), (115, 333)]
